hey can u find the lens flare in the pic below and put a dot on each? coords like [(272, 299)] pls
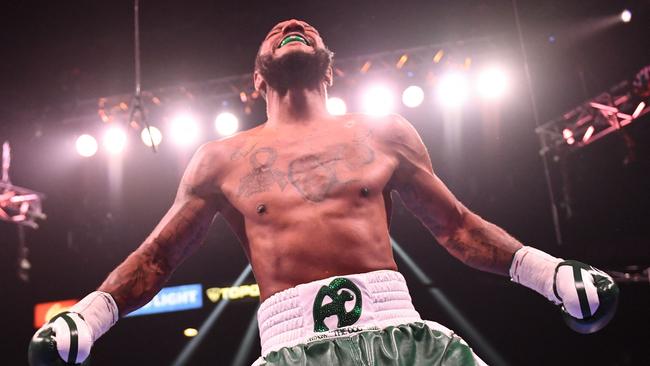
[(378, 101), (86, 145), (156, 136), (492, 83), (184, 130), (413, 96), (452, 89), (336, 106), (226, 124), (114, 140)]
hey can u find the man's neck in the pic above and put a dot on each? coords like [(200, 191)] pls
[(298, 107)]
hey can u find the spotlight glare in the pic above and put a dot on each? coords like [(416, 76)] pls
[(190, 332), (184, 130), (626, 16), (412, 96), (492, 83), (378, 101), (86, 145), (115, 140), (155, 134), (336, 106), (226, 124), (452, 89)]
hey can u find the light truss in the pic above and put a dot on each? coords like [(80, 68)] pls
[(596, 118), (434, 57)]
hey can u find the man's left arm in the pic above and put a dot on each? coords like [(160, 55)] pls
[(464, 234), (585, 293)]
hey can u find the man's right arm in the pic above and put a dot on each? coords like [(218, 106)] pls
[(180, 232), (69, 336)]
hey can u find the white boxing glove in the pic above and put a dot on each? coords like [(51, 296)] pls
[(588, 296), (68, 337)]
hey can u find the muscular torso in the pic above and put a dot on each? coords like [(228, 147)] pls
[(309, 202)]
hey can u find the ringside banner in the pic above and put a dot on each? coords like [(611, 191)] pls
[(176, 298), (43, 312)]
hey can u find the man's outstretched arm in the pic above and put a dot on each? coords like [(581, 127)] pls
[(70, 335), (136, 280), (588, 296), (462, 233)]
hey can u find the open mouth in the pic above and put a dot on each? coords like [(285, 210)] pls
[(293, 38)]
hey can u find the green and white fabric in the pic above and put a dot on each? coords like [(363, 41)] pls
[(359, 319)]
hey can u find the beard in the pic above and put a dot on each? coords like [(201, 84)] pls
[(295, 70)]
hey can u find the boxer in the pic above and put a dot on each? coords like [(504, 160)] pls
[(309, 196)]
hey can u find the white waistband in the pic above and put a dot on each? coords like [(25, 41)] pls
[(287, 318)]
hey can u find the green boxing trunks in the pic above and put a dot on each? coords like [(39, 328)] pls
[(362, 319)]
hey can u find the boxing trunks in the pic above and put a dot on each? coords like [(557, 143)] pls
[(359, 319)]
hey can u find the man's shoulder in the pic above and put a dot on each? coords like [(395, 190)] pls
[(388, 128), (223, 148)]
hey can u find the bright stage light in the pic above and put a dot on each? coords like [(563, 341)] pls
[(452, 89), (226, 124), (184, 130), (378, 101), (492, 83), (190, 332), (114, 140), (412, 96), (626, 16), (155, 134), (86, 146), (336, 106)]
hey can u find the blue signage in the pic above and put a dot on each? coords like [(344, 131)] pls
[(171, 299)]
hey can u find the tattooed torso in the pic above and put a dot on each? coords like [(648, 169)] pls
[(311, 203)]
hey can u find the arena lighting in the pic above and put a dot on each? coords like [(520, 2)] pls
[(184, 129), (378, 101), (86, 145), (568, 136), (336, 106), (452, 89), (626, 16), (412, 96), (190, 332), (226, 124), (638, 110), (114, 140), (155, 134), (492, 83), (588, 134)]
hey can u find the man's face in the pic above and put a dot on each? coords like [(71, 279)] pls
[(273, 43), (292, 55)]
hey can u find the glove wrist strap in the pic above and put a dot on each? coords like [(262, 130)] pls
[(536, 270), (99, 311)]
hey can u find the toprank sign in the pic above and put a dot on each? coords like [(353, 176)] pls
[(215, 294)]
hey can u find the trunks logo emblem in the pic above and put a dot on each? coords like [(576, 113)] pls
[(340, 290)]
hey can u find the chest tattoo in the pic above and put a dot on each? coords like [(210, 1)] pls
[(262, 175), (312, 175)]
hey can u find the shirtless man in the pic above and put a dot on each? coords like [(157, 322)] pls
[(308, 195)]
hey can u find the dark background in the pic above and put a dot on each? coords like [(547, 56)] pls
[(57, 53)]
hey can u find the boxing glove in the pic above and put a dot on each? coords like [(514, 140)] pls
[(588, 297), (67, 338), (64, 340)]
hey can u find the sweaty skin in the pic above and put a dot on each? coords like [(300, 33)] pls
[(308, 195)]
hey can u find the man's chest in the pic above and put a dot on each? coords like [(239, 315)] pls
[(314, 169)]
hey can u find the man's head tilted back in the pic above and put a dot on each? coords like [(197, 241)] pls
[(292, 56)]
